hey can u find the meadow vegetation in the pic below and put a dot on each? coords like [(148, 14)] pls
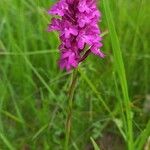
[(112, 96)]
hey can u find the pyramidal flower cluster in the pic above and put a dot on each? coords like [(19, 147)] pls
[(78, 29)]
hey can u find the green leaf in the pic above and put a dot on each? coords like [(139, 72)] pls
[(94, 144)]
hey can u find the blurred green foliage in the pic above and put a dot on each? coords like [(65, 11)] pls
[(33, 89)]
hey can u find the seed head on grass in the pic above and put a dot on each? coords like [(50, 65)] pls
[(78, 28)]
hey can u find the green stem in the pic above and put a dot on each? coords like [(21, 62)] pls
[(70, 105)]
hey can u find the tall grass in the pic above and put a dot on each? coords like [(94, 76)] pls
[(112, 95), (119, 65)]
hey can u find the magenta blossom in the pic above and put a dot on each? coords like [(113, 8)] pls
[(78, 28)]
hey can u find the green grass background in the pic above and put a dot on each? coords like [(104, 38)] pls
[(112, 94)]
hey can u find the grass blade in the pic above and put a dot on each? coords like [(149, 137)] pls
[(11, 116), (7, 143), (94, 144), (143, 137), (95, 91), (119, 66)]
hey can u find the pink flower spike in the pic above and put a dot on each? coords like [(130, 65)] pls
[(77, 24)]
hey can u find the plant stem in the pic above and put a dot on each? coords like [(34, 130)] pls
[(70, 105)]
